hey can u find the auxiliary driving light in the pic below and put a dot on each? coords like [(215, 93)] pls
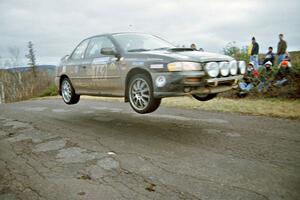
[(212, 69), (233, 67), (224, 68)]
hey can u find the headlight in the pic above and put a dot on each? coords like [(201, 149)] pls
[(224, 68), (242, 67), (233, 67), (212, 69), (184, 66)]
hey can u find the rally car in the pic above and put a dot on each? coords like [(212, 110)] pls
[(143, 69)]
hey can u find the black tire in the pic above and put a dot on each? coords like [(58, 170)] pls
[(68, 95), (140, 94), (204, 97)]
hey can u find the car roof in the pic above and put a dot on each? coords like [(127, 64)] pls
[(116, 33)]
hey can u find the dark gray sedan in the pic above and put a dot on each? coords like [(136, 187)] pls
[(143, 68)]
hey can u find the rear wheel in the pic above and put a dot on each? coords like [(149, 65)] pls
[(68, 93), (140, 93), (204, 97)]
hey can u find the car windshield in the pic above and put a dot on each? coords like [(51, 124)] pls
[(134, 42)]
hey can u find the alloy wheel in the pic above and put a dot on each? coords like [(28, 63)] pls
[(139, 94), (66, 91)]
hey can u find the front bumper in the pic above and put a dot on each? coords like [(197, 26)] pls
[(183, 83)]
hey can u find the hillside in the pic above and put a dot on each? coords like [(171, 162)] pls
[(295, 55)]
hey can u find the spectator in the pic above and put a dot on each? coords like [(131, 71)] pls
[(281, 48), (269, 56), (250, 79), (249, 49), (283, 72), (266, 77), (254, 53), (193, 46)]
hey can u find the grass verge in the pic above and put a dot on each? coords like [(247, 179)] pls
[(268, 107)]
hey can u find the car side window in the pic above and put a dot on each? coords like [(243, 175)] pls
[(95, 46), (79, 51)]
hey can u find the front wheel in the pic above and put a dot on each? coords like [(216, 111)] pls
[(204, 97), (140, 93), (68, 93)]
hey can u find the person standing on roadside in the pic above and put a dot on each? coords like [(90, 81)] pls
[(281, 48), (254, 53)]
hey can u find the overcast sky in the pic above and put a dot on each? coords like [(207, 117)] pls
[(57, 26)]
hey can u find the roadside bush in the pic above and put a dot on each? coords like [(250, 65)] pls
[(24, 85), (50, 91)]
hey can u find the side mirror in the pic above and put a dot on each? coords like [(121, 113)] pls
[(108, 51)]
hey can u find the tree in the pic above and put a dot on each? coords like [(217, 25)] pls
[(31, 58), (231, 49), (14, 52)]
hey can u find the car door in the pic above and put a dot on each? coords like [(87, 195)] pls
[(79, 70), (106, 67)]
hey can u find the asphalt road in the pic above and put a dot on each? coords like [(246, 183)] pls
[(103, 150)]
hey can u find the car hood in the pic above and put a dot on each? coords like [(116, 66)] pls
[(195, 56)]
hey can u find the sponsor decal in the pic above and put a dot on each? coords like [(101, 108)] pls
[(156, 66), (160, 81), (138, 63), (103, 60)]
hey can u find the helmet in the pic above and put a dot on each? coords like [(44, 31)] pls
[(268, 63), (251, 63), (284, 63)]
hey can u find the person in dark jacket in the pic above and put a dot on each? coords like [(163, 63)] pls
[(270, 56), (281, 48), (254, 52)]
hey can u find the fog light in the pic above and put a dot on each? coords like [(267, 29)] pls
[(192, 79), (160, 81)]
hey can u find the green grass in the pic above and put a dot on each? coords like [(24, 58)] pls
[(50, 91), (267, 107), (295, 56)]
